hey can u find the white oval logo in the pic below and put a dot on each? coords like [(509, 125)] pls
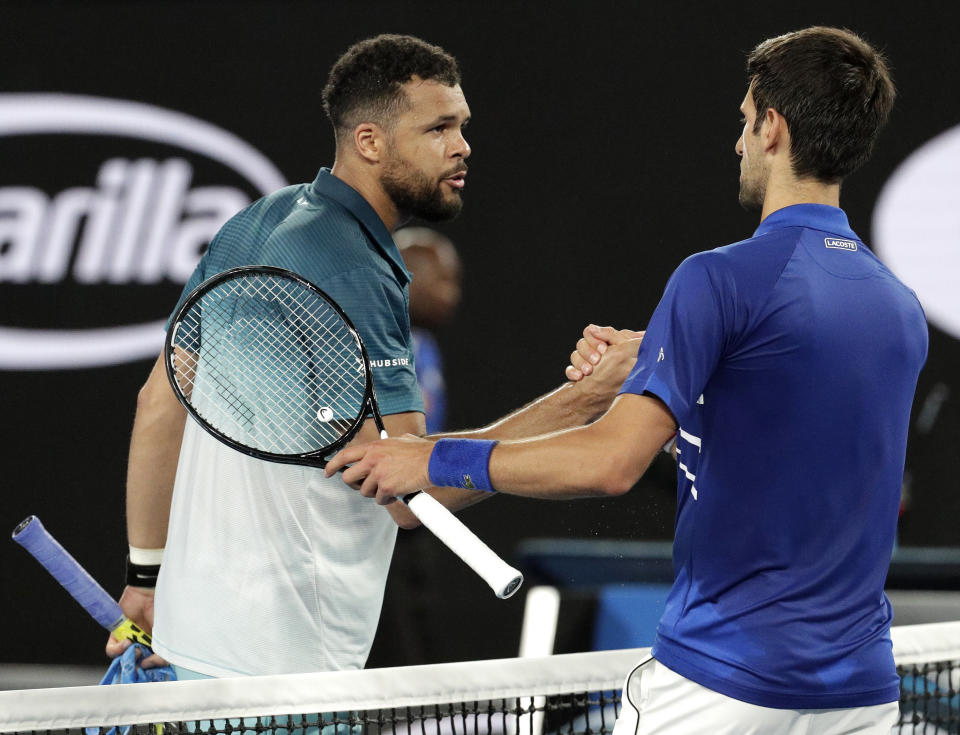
[(916, 227), (140, 223)]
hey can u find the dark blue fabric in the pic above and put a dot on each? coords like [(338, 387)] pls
[(462, 463), (429, 365), (789, 362)]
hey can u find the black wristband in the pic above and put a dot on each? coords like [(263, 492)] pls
[(142, 575)]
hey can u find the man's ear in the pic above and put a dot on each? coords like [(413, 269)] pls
[(370, 142), (774, 130)]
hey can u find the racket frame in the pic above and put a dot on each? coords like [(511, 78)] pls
[(315, 457)]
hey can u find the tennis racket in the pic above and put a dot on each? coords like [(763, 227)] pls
[(271, 366), (32, 536)]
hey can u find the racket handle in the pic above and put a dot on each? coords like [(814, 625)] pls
[(503, 579), (32, 536)]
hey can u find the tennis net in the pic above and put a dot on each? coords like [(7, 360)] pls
[(569, 694)]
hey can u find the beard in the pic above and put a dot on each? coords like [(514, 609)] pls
[(753, 188), (418, 195), (752, 193)]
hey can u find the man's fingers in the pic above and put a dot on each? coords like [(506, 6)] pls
[(153, 661), (115, 648), (385, 499), (580, 362), (355, 474), (573, 375), (607, 335), (597, 338), (368, 488), (350, 455)]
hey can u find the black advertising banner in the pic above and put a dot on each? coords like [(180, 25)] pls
[(603, 154)]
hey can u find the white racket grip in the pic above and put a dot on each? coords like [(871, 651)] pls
[(503, 579)]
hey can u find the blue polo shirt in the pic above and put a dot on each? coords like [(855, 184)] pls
[(789, 362), (329, 234)]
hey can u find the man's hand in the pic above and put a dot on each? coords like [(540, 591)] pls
[(593, 345), (385, 469), (137, 604)]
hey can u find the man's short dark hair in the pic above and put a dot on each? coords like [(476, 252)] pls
[(366, 83), (833, 89)]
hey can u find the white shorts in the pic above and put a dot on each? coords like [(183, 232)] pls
[(658, 701)]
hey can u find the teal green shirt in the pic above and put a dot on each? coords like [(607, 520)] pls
[(329, 234)]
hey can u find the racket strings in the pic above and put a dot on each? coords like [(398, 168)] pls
[(276, 408), (224, 389), (341, 350), (310, 337), (343, 353), (269, 363)]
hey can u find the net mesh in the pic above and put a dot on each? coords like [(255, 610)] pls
[(576, 694)]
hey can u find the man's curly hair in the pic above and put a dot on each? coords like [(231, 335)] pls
[(365, 85)]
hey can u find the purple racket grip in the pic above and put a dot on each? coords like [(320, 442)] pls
[(32, 536)]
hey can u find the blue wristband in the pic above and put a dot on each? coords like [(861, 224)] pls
[(462, 463)]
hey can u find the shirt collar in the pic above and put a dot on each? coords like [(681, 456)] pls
[(329, 186), (815, 216)]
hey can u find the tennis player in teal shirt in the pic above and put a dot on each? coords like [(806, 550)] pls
[(268, 568), (263, 568)]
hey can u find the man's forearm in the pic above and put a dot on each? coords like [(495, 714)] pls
[(572, 404), (566, 407), (152, 465), (562, 408)]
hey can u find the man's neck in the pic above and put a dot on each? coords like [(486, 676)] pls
[(371, 190), (787, 192)]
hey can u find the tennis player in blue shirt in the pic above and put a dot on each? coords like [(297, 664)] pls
[(784, 368)]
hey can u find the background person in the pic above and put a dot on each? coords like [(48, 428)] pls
[(784, 366), (435, 292)]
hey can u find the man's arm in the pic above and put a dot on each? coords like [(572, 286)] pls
[(151, 469), (572, 404), (589, 352), (575, 403), (152, 466), (604, 458)]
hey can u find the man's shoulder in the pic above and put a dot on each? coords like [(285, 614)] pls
[(746, 266), (292, 218), (770, 250), (294, 209)]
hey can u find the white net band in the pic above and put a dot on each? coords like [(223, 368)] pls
[(336, 691), (573, 693)]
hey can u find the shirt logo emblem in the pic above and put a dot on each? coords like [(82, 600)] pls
[(660, 357), (836, 244)]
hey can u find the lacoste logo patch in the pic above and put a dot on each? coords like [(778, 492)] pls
[(836, 244)]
